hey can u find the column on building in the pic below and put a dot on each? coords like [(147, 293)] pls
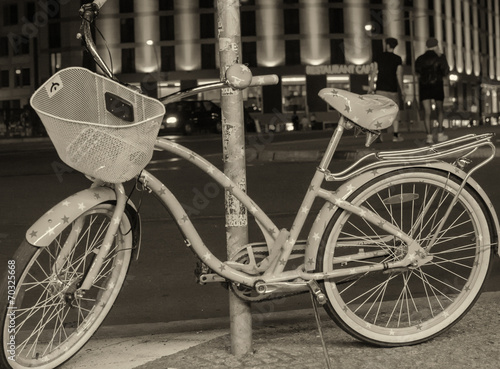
[(421, 23), (187, 34), (491, 56), (147, 36), (497, 38), (357, 40), (449, 32), (269, 24), (459, 53), (438, 21), (109, 25), (476, 59), (393, 17), (315, 44), (467, 40)]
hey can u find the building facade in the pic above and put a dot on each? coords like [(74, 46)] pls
[(167, 45)]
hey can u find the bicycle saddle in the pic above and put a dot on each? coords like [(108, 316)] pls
[(372, 112)]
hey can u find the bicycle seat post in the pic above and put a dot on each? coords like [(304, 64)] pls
[(333, 144)]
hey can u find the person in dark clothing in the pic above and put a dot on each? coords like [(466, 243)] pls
[(389, 67), (431, 68)]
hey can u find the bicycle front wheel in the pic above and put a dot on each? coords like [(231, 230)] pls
[(46, 321), (407, 306)]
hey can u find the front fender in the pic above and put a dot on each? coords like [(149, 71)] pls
[(328, 209), (49, 225)]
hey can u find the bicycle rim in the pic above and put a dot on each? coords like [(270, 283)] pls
[(51, 322), (407, 306)]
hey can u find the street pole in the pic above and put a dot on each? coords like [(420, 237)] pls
[(233, 140)]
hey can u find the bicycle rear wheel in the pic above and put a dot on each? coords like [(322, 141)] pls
[(407, 306), (47, 322)]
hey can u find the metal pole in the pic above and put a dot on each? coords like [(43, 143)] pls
[(233, 137)]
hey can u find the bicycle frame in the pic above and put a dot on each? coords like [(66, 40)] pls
[(282, 241)]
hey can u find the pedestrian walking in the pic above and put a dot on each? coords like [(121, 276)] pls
[(431, 68), (389, 70)]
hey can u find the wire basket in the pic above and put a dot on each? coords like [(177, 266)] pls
[(98, 126)]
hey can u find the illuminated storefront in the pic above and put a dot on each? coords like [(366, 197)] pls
[(164, 46)]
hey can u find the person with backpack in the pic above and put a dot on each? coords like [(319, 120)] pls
[(431, 68)]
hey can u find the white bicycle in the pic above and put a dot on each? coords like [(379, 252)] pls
[(397, 255)]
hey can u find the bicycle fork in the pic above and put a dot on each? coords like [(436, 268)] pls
[(90, 276)]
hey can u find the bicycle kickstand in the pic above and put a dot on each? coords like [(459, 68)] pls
[(319, 298)]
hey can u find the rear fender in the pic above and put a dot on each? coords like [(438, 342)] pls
[(49, 225), (345, 190)]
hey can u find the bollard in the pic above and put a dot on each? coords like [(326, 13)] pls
[(233, 140)]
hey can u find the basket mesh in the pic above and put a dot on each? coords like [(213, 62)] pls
[(88, 137)]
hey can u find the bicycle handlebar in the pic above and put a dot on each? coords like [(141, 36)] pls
[(88, 16)]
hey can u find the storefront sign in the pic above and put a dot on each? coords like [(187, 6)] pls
[(340, 69)]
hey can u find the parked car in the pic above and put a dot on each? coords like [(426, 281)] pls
[(190, 116)]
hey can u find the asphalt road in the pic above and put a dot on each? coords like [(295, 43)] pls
[(160, 286)]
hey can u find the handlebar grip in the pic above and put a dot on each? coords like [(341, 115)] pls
[(268, 79)]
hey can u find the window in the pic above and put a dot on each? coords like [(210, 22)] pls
[(294, 93), (128, 60), (292, 24), (207, 25), (167, 58), (165, 5), (4, 46), (126, 6), (167, 30), (292, 52), (377, 48), (432, 28), (10, 16), (22, 77), (249, 50), (376, 20), (337, 51), (54, 35), (127, 30), (4, 78), (30, 11), (208, 56), (20, 44), (206, 4), (336, 20), (409, 56), (55, 62), (248, 23)]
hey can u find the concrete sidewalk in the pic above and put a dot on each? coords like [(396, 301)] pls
[(290, 339)]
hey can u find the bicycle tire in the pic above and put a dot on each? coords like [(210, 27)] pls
[(52, 323), (407, 306)]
